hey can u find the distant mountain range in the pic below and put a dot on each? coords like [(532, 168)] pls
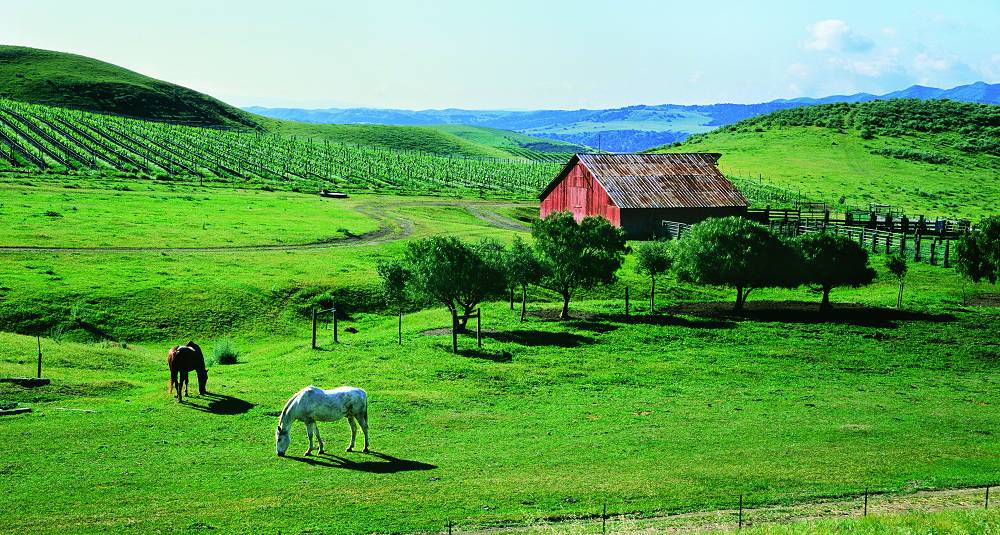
[(628, 129)]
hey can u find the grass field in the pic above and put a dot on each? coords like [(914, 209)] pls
[(825, 165), (665, 413)]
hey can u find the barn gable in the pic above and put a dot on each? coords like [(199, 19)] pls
[(683, 180)]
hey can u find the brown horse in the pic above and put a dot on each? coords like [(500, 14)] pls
[(181, 360)]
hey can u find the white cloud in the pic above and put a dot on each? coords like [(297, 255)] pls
[(834, 35)]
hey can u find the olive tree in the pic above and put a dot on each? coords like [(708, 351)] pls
[(735, 252), (456, 274), (523, 269), (653, 258), (577, 255), (832, 260), (977, 253), (394, 276)]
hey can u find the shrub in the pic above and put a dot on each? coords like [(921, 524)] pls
[(225, 353)]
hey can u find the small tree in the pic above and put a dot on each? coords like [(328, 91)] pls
[(577, 255), (394, 277), (523, 269), (456, 274), (977, 253), (733, 251), (653, 258), (832, 260), (896, 264)]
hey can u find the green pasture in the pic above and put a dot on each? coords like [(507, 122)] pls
[(676, 411), (69, 215)]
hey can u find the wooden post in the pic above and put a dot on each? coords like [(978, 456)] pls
[(512, 298), (39, 338), (335, 323), (947, 250), (916, 246), (741, 511), (479, 328), (861, 240), (400, 326), (902, 244), (933, 252), (449, 527), (454, 338), (874, 241), (866, 501), (314, 329), (604, 519)]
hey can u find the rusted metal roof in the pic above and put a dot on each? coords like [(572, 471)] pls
[(678, 180)]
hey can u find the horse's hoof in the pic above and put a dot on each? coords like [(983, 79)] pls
[(307, 454), (349, 449), (364, 450)]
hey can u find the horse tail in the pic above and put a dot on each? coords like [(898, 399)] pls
[(171, 354)]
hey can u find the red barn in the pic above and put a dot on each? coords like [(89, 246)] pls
[(637, 192)]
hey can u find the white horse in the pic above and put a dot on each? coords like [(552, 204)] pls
[(313, 405)]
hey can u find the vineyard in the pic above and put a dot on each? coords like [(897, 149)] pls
[(43, 138)]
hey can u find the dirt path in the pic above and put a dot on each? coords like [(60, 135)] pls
[(392, 226), (728, 519)]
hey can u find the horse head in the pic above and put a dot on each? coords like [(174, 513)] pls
[(281, 441)]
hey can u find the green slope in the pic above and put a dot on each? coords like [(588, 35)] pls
[(929, 157), (72, 81)]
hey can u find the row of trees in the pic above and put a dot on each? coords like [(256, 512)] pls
[(567, 256)]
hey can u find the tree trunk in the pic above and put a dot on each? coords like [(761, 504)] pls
[(524, 300), (512, 298), (400, 326), (824, 305), (739, 299), (565, 309), (652, 296)]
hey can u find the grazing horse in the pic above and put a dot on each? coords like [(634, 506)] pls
[(181, 360), (313, 405)]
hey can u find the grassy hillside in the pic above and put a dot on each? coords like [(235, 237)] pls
[(78, 82), (515, 142), (929, 157), (657, 414)]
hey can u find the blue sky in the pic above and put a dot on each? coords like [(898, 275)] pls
[(518, 54)]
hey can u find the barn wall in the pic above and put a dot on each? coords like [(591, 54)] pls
[(646, 223), (580, 194)]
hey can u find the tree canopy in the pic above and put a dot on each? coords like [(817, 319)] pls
[(456, 274), (832, 260), (977, 253), (577, 255), (736, 252)]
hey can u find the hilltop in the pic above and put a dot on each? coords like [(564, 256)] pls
[(72, 81), (78, 82), (936, 157), (627, 129)]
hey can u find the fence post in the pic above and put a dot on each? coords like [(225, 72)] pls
[(39, 338), (916, 246), (947, 248), (866, 501), (902, 243), (449, 527), (314, 329), (479, 328), (335, 324), (874, 241), (861, 240), (741, 512), (604, 519), (933, 252)]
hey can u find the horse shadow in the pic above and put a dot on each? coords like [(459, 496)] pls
[(220, 404), (540, 338), (387, 464)]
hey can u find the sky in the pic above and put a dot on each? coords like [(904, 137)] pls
[(523, 54)]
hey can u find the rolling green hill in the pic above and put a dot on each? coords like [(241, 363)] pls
[(71, 81), (925, 157), (78, 82)]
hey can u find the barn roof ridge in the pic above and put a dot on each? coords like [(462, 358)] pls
[(661, 180)]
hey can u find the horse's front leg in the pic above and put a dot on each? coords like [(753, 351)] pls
[(319, 438), (354, 431), (309, 432), (185, 380)]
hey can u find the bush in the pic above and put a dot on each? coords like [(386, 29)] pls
[(225, 353)]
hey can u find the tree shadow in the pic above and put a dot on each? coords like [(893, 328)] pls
[(670, 320), (803, 312), (220, 404), (493, 356), (387, 464), (539, 338)]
